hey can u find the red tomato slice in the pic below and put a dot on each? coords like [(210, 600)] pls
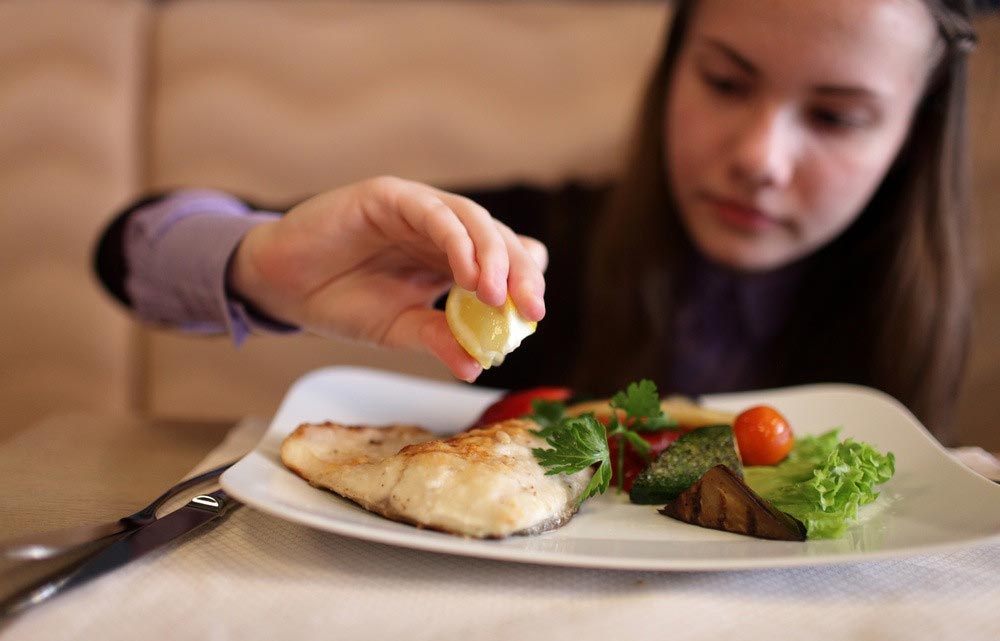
[(518, 403)]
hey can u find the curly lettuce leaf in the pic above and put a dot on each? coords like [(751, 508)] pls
[(823, 481)]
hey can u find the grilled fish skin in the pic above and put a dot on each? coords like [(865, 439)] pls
[(484, 483)]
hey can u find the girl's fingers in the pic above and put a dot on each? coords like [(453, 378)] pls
[(492, 248), (427, 330), (537, 250), (437, 338), (526, 285), (484, 255), (456, 226), (423, 213)]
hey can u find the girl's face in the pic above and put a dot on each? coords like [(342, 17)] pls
[(785, 115)]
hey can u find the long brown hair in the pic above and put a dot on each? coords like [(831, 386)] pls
[(886, 304)]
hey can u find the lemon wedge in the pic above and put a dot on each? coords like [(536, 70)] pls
[(487, 333)]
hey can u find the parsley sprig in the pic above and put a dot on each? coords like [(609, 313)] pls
[(581, 441), (641, 405), (577, 443), (548, 414)]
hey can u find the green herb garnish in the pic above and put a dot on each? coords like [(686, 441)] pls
[(547, 414), (641, 404), (579, 442)]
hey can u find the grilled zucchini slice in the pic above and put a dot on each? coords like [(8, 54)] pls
[(683, 463)]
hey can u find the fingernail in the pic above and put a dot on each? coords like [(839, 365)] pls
[(536, 302), (539, 292), (472, 377), (497, 290)]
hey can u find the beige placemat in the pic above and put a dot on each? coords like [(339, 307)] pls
[(259, 577)]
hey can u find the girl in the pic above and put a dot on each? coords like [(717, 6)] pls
[(794, 211), (817, 150)]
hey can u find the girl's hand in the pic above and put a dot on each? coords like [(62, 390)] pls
[(367, 262)]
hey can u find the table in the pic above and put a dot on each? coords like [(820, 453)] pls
[(259, 577), (87, 465)]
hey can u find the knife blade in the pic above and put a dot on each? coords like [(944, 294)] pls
[(201, 510)]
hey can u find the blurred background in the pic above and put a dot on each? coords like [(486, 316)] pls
[(102, 101)]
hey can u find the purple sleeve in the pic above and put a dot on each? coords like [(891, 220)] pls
[(177, 250)]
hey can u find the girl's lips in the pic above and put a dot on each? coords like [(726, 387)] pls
[(741, 216)]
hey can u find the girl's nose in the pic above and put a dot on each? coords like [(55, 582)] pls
[(763, 150)]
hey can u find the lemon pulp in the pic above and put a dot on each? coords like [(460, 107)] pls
[(487, 333)]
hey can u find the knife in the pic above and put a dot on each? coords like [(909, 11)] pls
[(201, 510), (37, 547)]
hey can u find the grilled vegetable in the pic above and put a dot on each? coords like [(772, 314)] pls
[(635, 460), (634, 411), (683, 463), (722, 501)]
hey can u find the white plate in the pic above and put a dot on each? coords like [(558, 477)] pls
[(932, 503)]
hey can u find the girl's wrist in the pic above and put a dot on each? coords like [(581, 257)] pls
[(244, 283)]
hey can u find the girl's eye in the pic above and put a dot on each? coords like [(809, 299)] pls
[(841, 121), (725, 85)]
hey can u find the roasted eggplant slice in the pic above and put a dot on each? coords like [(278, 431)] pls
[(722, 501)]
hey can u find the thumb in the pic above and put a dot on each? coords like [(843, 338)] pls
[(427, 330)]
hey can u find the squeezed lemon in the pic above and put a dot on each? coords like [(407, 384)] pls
[(487, 333)]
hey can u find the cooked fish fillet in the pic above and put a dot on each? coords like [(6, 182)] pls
[(485, 483)]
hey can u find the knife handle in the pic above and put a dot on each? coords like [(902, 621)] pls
[(218, 502)]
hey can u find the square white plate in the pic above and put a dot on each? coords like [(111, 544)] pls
[(932, 502)]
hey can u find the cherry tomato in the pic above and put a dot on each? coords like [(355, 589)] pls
[(762, 436), (635, 462), (517, 404)]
